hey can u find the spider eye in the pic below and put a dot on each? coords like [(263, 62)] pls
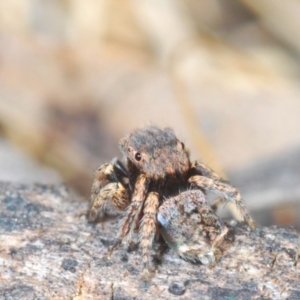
[(138, 156)]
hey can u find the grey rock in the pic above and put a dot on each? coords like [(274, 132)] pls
[(48, 250)]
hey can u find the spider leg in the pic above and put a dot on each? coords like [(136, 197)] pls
[(227, 192), (209, 257), (138, 198), (111, 197), (217, 203), (109, 172), (203, 170), (217, 241), (148, 230), (109, 189)]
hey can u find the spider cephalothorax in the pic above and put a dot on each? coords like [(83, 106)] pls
[(156, 153), (159, 175)]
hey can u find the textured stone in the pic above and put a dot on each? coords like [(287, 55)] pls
[(48, 250)]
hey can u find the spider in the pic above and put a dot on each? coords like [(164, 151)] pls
[(190, 226), (159, 190)]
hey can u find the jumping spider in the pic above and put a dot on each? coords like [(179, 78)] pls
[(161, 192)]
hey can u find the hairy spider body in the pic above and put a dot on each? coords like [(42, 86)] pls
[(157, 178), (190, 226)]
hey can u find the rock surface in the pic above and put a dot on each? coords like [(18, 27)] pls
[(48, 250)]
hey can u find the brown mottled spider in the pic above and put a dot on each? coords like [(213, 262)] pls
[(161, 190), (190, 226)]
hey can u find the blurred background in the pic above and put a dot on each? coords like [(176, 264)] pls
[(76, 76)]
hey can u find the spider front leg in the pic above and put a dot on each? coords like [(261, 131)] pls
[(109, 190), (148, 230), (226, 191), (133, 211)]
